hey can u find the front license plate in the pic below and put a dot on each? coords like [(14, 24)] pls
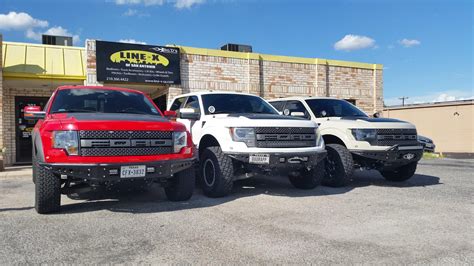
[(259, 159), (132, 171)]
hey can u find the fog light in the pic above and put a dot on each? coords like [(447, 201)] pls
[(113, 171), (150, 169)]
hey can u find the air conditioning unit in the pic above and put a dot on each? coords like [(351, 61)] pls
[(57, 40), (237, 48)]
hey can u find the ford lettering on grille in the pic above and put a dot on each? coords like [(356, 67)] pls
[(395, 136), (94, 143)]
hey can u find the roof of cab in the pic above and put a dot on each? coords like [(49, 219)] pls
[(213, 92), (82, 87), (300, 98)]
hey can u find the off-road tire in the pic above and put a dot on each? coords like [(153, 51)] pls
[(47, 190), (182, 185), (339, 166), (219, 170), (34, 168), (309, 179), (401, 173)]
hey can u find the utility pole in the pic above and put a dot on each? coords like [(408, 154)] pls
[(403, 100)]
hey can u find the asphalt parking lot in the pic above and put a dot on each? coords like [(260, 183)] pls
[(428, 219)]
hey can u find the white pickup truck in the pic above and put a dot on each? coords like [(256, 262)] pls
[(353, 140), (240, 135)]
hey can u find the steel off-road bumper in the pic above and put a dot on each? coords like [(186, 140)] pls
[(396, 155), (279, 161), (111, 172)]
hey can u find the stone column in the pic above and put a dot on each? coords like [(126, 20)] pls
[(91, 68), (2, 127)]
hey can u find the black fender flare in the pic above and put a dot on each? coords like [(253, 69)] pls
[(37, 148)]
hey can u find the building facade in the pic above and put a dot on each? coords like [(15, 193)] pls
[(30, 72), (449, 124)]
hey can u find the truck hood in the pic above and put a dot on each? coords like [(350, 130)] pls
[(364, 122), (258, 120), (107, 121)]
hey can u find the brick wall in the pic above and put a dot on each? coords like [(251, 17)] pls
[(283, 79), (9, 116), (352, 83), (269, 79), (2, 144)]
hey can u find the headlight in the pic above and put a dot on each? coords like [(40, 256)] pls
[(364, 134), (242, 134), (319, 138), (66, 140), (180, 141)]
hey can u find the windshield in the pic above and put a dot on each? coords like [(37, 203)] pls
[(102, 101), (235, 104), (333, 108)]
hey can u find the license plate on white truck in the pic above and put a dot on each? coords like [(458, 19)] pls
[(259, 159), (132, 171)]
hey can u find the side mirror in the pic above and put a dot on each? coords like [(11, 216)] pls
[(170, 114), (33, 113), (376, 115), (188, 113)]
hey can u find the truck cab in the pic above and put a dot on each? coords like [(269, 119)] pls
[(97, 137), (355, 140), (239, 135)]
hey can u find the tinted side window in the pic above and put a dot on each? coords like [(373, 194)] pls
[(296, 107), (177, 104), (193, 103), (278, 105)]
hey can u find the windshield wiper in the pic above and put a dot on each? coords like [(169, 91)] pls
[(133, 112), (74, 111), (220, 112)]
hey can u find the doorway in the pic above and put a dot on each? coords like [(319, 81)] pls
[(23, 127), (161, 102)]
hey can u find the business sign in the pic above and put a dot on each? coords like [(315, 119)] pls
[(136, 63)]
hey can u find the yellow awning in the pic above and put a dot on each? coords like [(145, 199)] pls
[(26, 60)]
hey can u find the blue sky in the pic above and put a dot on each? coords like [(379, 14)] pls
[(425, 46)]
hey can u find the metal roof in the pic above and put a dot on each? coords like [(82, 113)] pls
[(26, 60)]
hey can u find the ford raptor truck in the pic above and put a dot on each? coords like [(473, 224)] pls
[(353, 140), (96, 137), (240, 135)]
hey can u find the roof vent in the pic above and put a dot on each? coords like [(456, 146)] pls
[(57, 40), (237, 48)]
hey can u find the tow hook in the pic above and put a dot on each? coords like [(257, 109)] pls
[(393, 148), (297, 159)]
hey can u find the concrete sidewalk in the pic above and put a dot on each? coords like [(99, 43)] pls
[(16, 171)]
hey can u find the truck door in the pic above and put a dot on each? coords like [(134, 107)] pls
[(194, 126)]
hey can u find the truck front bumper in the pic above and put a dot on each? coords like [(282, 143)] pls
[(394, 155), (283, 160), (112, 172)]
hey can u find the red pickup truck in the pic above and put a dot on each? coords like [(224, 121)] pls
[(95, 137)]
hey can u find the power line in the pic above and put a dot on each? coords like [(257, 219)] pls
[(403, 98)]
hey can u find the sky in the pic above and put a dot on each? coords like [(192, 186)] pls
[(425, 46)]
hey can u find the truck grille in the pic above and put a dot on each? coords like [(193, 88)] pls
[(285, 137), (125, 143), (122, 134), (390, 137)]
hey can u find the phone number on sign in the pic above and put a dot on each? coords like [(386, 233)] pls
[(116, 79)]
